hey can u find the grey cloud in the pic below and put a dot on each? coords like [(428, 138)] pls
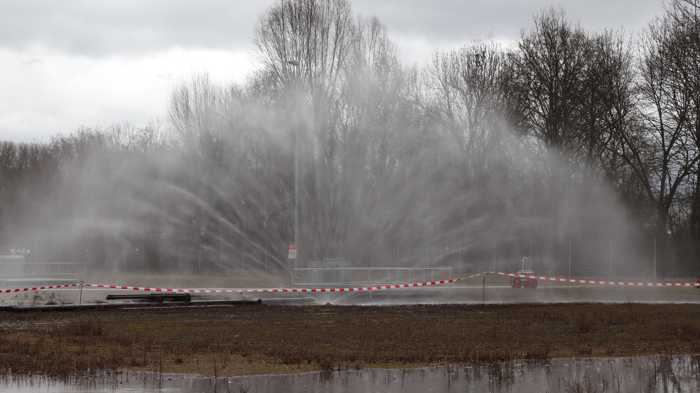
[(115, 26), (462, 20)]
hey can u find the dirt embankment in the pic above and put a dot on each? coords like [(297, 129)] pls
[(263, 339)]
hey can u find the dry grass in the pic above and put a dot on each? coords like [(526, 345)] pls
[(260, 339)]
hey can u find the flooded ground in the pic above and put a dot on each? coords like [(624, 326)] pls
[(455, 294), (500, 294), (468, 291), (601, 375)]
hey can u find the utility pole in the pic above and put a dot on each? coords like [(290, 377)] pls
[(295, 65), (296, 194)]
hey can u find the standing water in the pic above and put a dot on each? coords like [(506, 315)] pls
[(599, 375)]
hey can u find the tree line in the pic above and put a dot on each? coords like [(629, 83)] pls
[(569, 144)]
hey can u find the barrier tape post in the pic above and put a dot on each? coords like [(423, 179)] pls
[(80, 300), (483, 289)]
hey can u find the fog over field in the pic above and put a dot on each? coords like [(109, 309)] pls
[(570, 141)]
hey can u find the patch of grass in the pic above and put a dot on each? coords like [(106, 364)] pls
[(253, 339)]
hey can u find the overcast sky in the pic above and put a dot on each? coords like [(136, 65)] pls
[(71, 63)]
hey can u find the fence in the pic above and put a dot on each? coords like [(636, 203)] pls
[(17, 268), (358, 276)]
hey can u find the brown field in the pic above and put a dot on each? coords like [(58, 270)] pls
[(250, 339)]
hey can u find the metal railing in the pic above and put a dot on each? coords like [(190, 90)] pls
[(364, 276), (20, 269)]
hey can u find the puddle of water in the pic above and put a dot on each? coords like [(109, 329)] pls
[(638, 374)]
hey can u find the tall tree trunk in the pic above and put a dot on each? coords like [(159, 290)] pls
[(694, 225), (662, 259)]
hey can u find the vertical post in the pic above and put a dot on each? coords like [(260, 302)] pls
[(220, 252), (483, 289), (80, 300), (610, 257), (654, 258), (296, 194), (369, 282), (291, 254), (199, 256), (297, 126), (570, 255)]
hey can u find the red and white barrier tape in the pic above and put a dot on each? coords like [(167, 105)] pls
[(336, 290), (375, 288), (616, 283), (38, 289)]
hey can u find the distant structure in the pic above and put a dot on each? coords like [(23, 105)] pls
[(13, 262), (18, 266)]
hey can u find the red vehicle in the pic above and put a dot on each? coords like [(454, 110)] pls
[(524, 282), (525, 276)]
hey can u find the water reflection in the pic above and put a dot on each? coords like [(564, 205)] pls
[(640, 374)]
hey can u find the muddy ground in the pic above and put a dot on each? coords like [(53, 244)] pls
[(251, 339)]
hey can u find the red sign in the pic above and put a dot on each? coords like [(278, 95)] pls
[(292, 251)]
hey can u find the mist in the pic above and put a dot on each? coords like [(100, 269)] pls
[(453, 165)]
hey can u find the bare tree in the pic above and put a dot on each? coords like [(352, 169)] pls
[(306, 40), (662, 151), (608, 101), (550, 65), (470, 97), (684, 16)]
